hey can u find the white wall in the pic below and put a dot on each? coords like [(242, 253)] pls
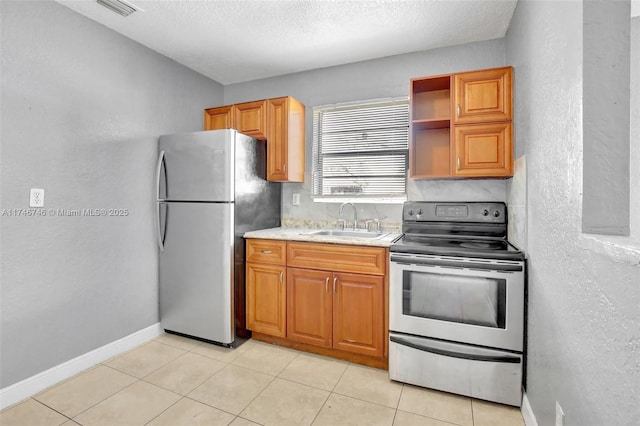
[(584, 291), (387, 77), (81, 107)]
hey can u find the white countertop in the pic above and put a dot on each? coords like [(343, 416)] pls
[(302, 234)]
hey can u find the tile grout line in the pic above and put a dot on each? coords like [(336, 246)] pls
[(104, 399), (78, 375), (328, 396), (265, 388), (398, 405), (45, 405)]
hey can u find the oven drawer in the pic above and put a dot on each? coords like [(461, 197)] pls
[(465, 370)]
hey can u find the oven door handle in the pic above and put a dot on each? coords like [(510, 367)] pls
[(473, 357), (457, 264)]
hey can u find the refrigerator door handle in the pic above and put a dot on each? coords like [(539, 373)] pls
[(158, 170), (162, 228)]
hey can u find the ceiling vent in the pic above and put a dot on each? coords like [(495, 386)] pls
[(118, 6)]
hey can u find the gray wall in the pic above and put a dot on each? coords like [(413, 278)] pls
[(584, 298), (634, 139), (605, 108), (74, 95), (387, 77)]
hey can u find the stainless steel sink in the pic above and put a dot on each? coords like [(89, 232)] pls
[(349, 234)]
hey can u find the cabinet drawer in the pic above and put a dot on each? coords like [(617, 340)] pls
[(267, 251), (337, 257)]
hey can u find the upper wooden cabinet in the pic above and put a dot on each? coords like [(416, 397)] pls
[(219, 118), (280, 121), (285, 140), (461, 125), (482, 149), (483, 96), (249, 118)]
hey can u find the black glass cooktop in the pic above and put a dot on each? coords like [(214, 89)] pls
[(463, 229), (467, 247)]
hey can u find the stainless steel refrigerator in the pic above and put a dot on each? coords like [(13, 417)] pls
[(211, 189)]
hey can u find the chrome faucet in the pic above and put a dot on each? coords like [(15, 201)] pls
[(355, 214)]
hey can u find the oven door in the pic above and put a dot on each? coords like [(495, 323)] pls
[(475, 301)]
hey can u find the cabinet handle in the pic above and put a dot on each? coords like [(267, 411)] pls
[(334, 283), (265, 251), (281, 277), (458, 163), (458, 110), (326, 285), (284, 168)]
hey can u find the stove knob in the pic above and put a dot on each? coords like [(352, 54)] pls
[(496, 213), (419, 212), (485, 212), (411, 212)]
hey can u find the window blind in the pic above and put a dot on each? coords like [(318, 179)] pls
[(361, 150)]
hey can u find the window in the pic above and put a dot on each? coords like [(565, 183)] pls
[(360, 151)]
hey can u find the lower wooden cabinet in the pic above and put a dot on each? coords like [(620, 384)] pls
[(266, 286), (309, 306), (336, 310), (266, 299), (342, 309), (358, 314)]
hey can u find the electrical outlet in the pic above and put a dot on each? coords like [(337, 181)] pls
[(296, 199), (559, 415), (36, 197)]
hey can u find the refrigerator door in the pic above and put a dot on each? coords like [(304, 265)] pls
[(197, 166), (196, 270)]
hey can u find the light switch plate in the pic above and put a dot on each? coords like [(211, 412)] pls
[(36, 197), (296, 200)]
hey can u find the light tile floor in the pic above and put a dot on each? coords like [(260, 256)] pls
[(174, 381)]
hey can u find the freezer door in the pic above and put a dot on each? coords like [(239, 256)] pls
[(196, 166), (196, 271)]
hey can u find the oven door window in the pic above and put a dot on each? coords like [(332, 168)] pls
[(455, 298)]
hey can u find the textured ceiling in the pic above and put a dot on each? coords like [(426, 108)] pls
[(242, 40)]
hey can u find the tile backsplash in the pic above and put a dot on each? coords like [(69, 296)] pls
[(310, 214), (517, 204)]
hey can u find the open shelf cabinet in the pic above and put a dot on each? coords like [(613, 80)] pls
[(453, 131)]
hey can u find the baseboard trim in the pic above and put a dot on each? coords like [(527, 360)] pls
[(34, 384), (527, 411)]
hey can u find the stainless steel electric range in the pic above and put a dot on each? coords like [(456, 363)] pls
[(457, 301)]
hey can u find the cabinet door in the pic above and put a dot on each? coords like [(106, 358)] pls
[(358, 314), (266, 299), (218, 118), (285, 140), (309, 306), (484, 150), (250, 118), (483, 96)]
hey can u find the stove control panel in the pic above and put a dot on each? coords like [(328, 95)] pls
[(429, 211), (452, 211)]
